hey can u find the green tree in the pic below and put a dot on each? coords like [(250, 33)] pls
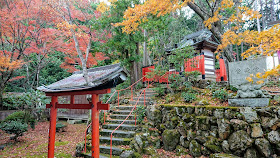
[(121, 46)]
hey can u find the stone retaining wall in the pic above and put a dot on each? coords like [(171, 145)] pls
[(212, 131)]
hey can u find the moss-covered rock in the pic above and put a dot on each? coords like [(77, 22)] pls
[(213, 144), (170, 139), (219, 113), (195, 149), (263, 147), (190, 135), (151, 151), (223, 128), (239, 141), (251, 153), (256, 130), (238, 124), (181, 150), (202, 123), (184, 142), (223, 156)]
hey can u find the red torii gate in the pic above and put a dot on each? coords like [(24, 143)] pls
[(102, 79)]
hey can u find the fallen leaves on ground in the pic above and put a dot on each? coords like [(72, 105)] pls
[(34, 143)]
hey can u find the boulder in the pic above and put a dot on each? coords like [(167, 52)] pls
[(251, 153), (238, 124), (256, 130), (219, 113), (205, 151), (249, 114), (273, 137), (272, 123), (154, 114), (225, 146), (151, 151), (139, 141), (184, 142), (170, 139), (202, 123), (223, 128), (213, 131), (190, 135), (239, 141), (263, 147), (223, 156), (200, 139), (181, 151), (195, 149), (127, 154), (213, 145)]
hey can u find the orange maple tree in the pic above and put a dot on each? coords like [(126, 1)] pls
[(15, 16), (74, 19)]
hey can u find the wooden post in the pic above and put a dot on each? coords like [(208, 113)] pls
[(95, 127), (52, 128)]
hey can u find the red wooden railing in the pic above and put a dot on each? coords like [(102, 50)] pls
[(131, 95), (144, 91)]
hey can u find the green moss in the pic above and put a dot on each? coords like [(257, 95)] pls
[(137, 155), (201, 117), (207, 107), (213, 148), (61, 143)]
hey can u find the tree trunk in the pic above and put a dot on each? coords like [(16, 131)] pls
[(242, 45), (146, 57), (263, 16), (1, 98), (132, 73), (237, 53), (216, 29)]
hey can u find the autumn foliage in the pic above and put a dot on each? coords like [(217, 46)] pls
[(234, 14)]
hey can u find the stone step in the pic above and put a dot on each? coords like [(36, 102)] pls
[(106, 150), (122, 107), (118, 116), (133, 102), (129, 127), (142, 98), (148, 92), (117, 133), (122, 112), (116, 121), (88, 155), (115, 141)]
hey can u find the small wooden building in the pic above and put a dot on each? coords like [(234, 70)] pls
[(205, 44), (101, 80)]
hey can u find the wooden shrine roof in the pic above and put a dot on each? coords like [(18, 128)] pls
[(103, 77)]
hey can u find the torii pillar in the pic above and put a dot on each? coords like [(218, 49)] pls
[(95, 105)]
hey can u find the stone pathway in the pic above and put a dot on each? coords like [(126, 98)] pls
[(123, 136)]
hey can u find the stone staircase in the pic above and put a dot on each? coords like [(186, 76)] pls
[(125, 133)]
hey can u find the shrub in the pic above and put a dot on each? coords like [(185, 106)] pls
[(220, 94), (106, 97), (21, 116), (60, 127), (138, 86), (140, 112), (188, 97), (14, 127), (29, 100), (232, 88), (192, 76), (160, 91)]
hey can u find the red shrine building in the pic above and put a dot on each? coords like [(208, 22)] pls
[(204, 60)]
